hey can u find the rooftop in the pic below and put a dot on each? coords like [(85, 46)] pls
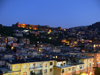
[(5, 69), (67, 65), (78, 56), (62, 66), (16, 61)]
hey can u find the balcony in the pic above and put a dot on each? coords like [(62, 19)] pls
[(39, 74), (36, 68), (63, 66)]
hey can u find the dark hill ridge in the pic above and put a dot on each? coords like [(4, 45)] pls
[(94, 26)]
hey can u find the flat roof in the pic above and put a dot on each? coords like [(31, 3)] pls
[(76, 56), (5, 69), (16, 61), (67, 66), (62, 66)]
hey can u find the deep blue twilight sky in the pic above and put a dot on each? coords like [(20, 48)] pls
[(64, 13)]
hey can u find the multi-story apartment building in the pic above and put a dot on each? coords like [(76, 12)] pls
[(78, 64), (96, 59), (45, 66), (29, 67)]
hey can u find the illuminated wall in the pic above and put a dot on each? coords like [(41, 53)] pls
[(34, 27)]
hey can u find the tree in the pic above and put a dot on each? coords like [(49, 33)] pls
[(14, 50), (0, 25), (8, 47), (97, 71)]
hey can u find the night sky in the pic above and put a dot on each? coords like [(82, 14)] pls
[(64, 13)]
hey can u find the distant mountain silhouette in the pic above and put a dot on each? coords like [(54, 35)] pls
[(94, 26), (79, 26)]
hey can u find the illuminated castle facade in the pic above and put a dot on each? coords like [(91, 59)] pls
[(34, 27)]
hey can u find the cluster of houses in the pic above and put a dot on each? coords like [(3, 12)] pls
[(78, 54)]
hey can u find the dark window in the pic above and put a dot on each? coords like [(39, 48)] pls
[(64, 64), (90, 64), (81, 67), (51, 70), (51, 63), (69, 69), (62, 70)]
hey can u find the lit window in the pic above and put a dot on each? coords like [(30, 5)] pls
[(94, 45), (16, 67), (24, 66), (77, 67), (45, 65), (53, 56), (24, 73), (56, 56)]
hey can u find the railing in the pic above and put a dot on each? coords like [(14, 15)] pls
[(34, 68), (73, 70), (36, 74), (39, 74), (62, 66), (81, 62)]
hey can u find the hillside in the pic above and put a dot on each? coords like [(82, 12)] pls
[(94, 26)]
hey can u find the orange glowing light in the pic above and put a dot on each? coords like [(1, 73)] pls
[(63, 41), (24, 73), (45, 64), (50, 30), (12, 48), (23, 24), (34, 28)]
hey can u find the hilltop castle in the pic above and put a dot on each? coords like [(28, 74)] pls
[(34, 27)]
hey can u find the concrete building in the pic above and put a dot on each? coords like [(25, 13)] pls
[(46, 66), (96, 59)]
